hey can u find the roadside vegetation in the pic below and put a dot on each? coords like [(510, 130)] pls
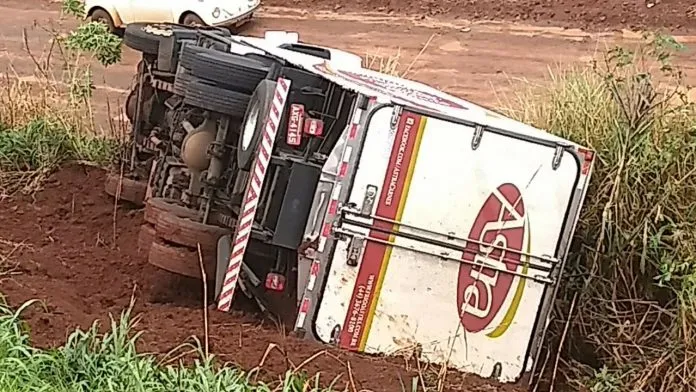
[(630, 283), (626, 310), (47, 119)]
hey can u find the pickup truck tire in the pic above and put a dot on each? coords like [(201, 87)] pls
[(146, 37), (254, 123), (102, 16), (207, 96), (229, 70), (191, 19)]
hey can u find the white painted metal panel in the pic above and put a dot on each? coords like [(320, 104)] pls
[(415, 294)]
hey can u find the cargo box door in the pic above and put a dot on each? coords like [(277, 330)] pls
[(447, 243)]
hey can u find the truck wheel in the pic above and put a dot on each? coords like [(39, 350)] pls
[(181, 82), (130, 190), (207, 96), (235, 72), (146, 237), (157, 206), (145, 37), (188, 52), (254, 123), (187, 232), (180, 260)]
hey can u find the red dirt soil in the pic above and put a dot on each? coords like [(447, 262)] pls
[(68, 258), (673, 15)]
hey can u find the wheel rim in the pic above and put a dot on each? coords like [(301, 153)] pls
[(250, 127)]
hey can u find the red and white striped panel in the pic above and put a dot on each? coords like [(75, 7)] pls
[(330, 216), (252, 193)]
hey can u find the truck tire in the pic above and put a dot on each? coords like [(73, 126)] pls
[(235, 72), (208, 96), (157, 206), (188, 232), (146, 237), (254, 123), (181, 81), (146, 37), (180, 260), (125, 188), (188, 52)]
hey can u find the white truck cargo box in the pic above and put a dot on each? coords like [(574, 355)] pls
[(441, 227)]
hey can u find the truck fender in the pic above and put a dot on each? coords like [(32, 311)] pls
[(118, 22)]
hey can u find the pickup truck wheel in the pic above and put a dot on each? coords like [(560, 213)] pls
[(191, 19), (187, 232), (101, 16), (207, 96), (146, 37), (254, 122), (238, 73)]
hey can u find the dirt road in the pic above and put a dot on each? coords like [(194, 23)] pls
[(479, 61)]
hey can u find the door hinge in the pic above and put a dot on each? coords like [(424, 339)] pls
[(396, 115), (557, 156), (476, 139)]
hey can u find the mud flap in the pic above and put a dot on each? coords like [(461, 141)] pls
[(224, 247)]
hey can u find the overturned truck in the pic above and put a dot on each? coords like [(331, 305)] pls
[(373, 213)]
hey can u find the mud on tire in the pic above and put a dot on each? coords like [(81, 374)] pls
[(210, 97), (187, 232), (180, 260), (146, 237), (126, 189), (157, 206)]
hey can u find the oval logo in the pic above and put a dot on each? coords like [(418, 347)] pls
[(481, 291)]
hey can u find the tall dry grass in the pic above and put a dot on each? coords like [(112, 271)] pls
[(633, 262), (46, 113)]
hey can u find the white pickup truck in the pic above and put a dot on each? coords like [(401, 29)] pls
[(117, 14), (374, 213)]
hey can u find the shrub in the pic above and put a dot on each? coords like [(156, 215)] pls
[(633, 263)]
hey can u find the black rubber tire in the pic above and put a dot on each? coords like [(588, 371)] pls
[(207, 96), (101, 15), (181, 82), (238, 73), (261, 100), (136, 37), (188, 52), (191, 19)]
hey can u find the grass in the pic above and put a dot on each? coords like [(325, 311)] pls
[(95, 362), (47, 118), (633, 261)]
